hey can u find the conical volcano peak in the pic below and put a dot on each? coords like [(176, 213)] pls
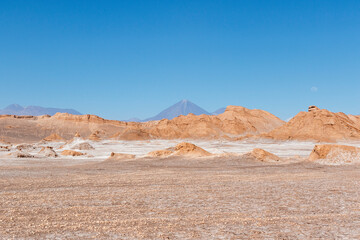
[(184, 107)]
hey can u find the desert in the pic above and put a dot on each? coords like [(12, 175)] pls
[(244, 174), (179, 120)]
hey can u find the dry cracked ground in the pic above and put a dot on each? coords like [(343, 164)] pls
[(233, 198)]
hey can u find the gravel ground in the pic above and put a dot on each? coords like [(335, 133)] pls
[(215, 198)]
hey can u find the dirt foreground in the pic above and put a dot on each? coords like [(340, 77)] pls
[(207, 198)]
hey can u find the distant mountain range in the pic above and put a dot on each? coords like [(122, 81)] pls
[(184, 107), (16, 109)]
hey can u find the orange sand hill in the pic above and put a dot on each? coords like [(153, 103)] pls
[(320, 125), (234, 122), (182, 149)]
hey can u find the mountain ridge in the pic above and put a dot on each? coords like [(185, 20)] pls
[(16, 109)]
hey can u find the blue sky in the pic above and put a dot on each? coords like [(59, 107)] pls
[(121, 59)]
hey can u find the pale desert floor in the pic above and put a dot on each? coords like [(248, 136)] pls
[(176, 198)]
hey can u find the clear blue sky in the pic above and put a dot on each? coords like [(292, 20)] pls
[(121, 59)]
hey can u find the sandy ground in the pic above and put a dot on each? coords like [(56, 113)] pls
[(208, 198)]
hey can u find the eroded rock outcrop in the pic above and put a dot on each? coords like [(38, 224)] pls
[(317, 124), (48, 152), (25, 147), (54, 138), (335, 154), (234, 122), (71, 153), (160, 153), (94, 136), (83, 146), (21, 154), (263, 156), (5, 148), (183, 149)]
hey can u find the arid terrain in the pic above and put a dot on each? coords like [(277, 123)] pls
[(242, 174), (217, 197)]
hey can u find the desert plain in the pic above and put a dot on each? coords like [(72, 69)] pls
[(239, 175)]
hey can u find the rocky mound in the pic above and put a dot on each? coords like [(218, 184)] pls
[(25, 147), (83, 146), (160, 153), (318, 124), (5, 148), (262, 155), (48, 152), (71, 153), (94, 136), (54, 138), (335, 154), (182, 149), (189, 149), (21, 155), (120, 156)]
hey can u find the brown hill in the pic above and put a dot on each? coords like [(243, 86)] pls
[(320, 125), (234, 122), (182, 149)]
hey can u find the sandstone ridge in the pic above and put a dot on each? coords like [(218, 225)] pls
[(319, 125), (234, 122)]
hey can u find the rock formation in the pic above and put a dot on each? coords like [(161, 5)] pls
[(94, 136), (335, 154), (4, 148), (54, 138), (83, 146), (71, 153), (160, 153), (233, 123), (262, 155), (21, 155), (318, 124), (182, 149), (25, 147), (48, 152)]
